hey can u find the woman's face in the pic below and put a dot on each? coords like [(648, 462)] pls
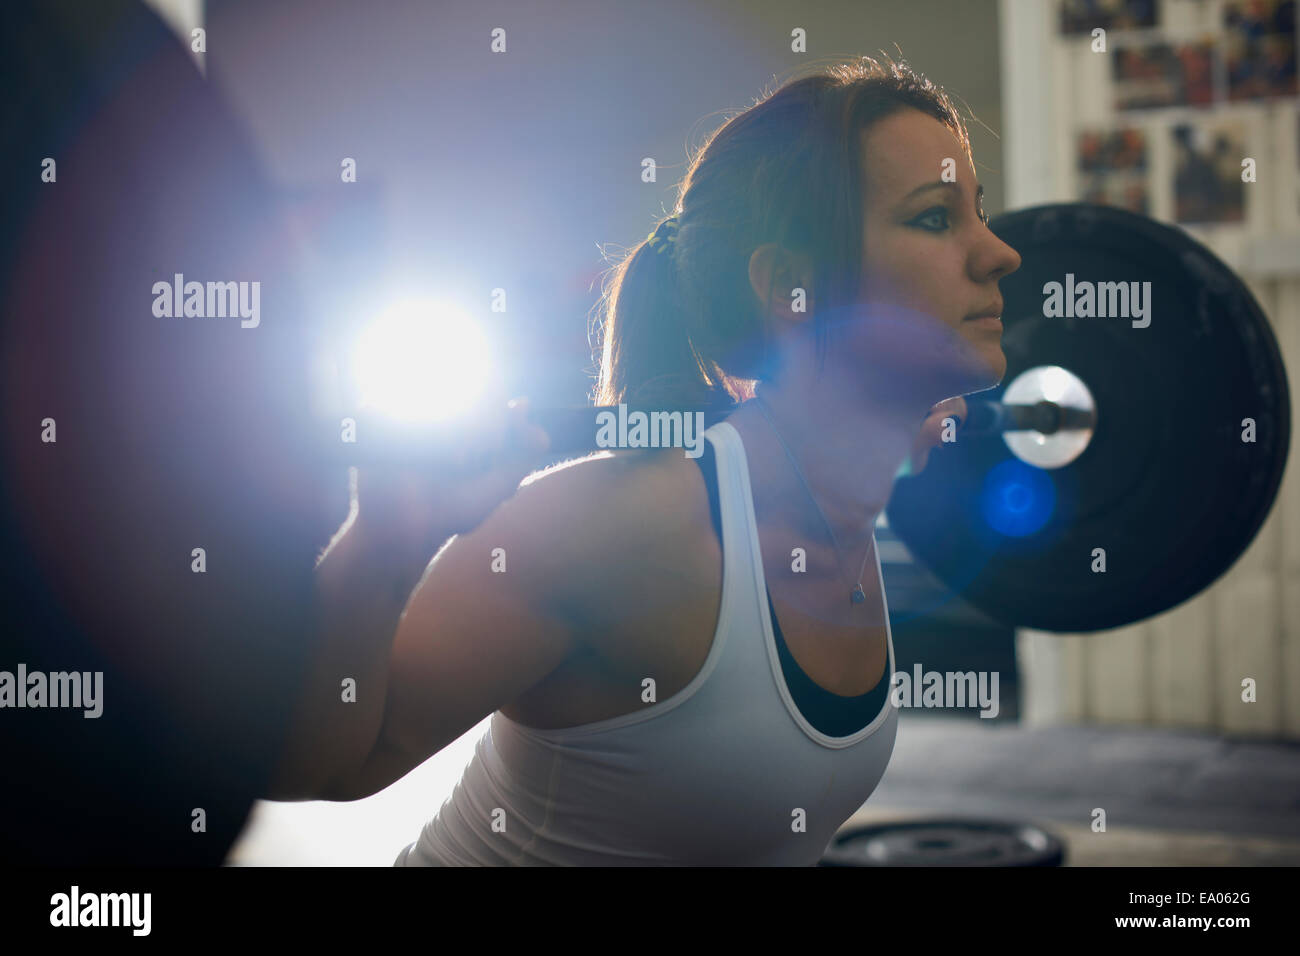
[(930, 264)]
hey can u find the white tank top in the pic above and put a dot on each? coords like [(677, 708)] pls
[(726, 772)]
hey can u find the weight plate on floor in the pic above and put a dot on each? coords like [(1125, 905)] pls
[(945, 843)]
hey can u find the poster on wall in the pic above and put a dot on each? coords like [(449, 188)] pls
[(1111, 166), (1207, 172), (1154, 75), (1259, 48), (1083, 16)]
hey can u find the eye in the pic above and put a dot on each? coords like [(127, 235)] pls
[(984, 217), (940, 211)]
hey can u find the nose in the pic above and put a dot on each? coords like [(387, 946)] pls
[(995, 259)]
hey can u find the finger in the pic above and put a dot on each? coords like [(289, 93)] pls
[(950, 408), (931, 429), (957, 410)]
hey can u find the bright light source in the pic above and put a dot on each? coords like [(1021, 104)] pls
[(422, 361)]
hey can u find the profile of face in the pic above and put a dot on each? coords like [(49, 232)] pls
[(930, 266)]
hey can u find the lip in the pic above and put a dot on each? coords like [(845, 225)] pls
[(993, 313)]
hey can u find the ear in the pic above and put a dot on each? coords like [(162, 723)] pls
[(781, 271)]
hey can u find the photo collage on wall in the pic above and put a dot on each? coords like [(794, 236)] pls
[(1113, 169), (1248, 59)]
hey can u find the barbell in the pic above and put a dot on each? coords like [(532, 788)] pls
[(1131, 456)]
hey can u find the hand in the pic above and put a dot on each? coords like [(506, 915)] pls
[(931, 433), (416, 510)]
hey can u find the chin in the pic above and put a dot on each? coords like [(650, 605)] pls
[(980, 375), (997, 371), (941, 371)]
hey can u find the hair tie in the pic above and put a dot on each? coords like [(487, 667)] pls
[(664, 237)]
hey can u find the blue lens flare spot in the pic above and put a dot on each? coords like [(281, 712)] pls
[(1018, 499)]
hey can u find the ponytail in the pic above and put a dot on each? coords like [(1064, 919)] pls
[(648, 355)]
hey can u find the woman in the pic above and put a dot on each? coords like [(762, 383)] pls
[(687, 660)]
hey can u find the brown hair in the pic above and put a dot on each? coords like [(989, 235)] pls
[(686, 328)]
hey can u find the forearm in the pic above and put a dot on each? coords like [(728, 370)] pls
[(363, 583)]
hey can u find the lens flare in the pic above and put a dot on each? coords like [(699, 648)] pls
[(422, 361), (1018, 499)]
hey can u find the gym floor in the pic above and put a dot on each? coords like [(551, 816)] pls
[(1172, 798)]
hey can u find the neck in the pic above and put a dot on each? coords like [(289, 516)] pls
[(849, 444)]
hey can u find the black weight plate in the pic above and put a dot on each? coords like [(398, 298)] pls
[(945, 843), (1167, 487)]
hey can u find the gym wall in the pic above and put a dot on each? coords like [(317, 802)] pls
[(1183, 668)]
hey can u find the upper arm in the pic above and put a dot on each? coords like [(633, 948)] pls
[(492, 617)]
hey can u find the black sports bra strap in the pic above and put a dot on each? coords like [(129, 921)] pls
[(709, 468)]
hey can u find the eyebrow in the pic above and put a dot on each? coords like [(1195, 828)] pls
[(979, 193)]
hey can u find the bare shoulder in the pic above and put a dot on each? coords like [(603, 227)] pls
[(586, 556), (619, 522), (629, 483)]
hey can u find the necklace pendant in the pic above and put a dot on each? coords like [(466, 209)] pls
[(858, 595)]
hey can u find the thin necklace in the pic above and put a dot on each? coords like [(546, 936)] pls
[(858, 595)]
